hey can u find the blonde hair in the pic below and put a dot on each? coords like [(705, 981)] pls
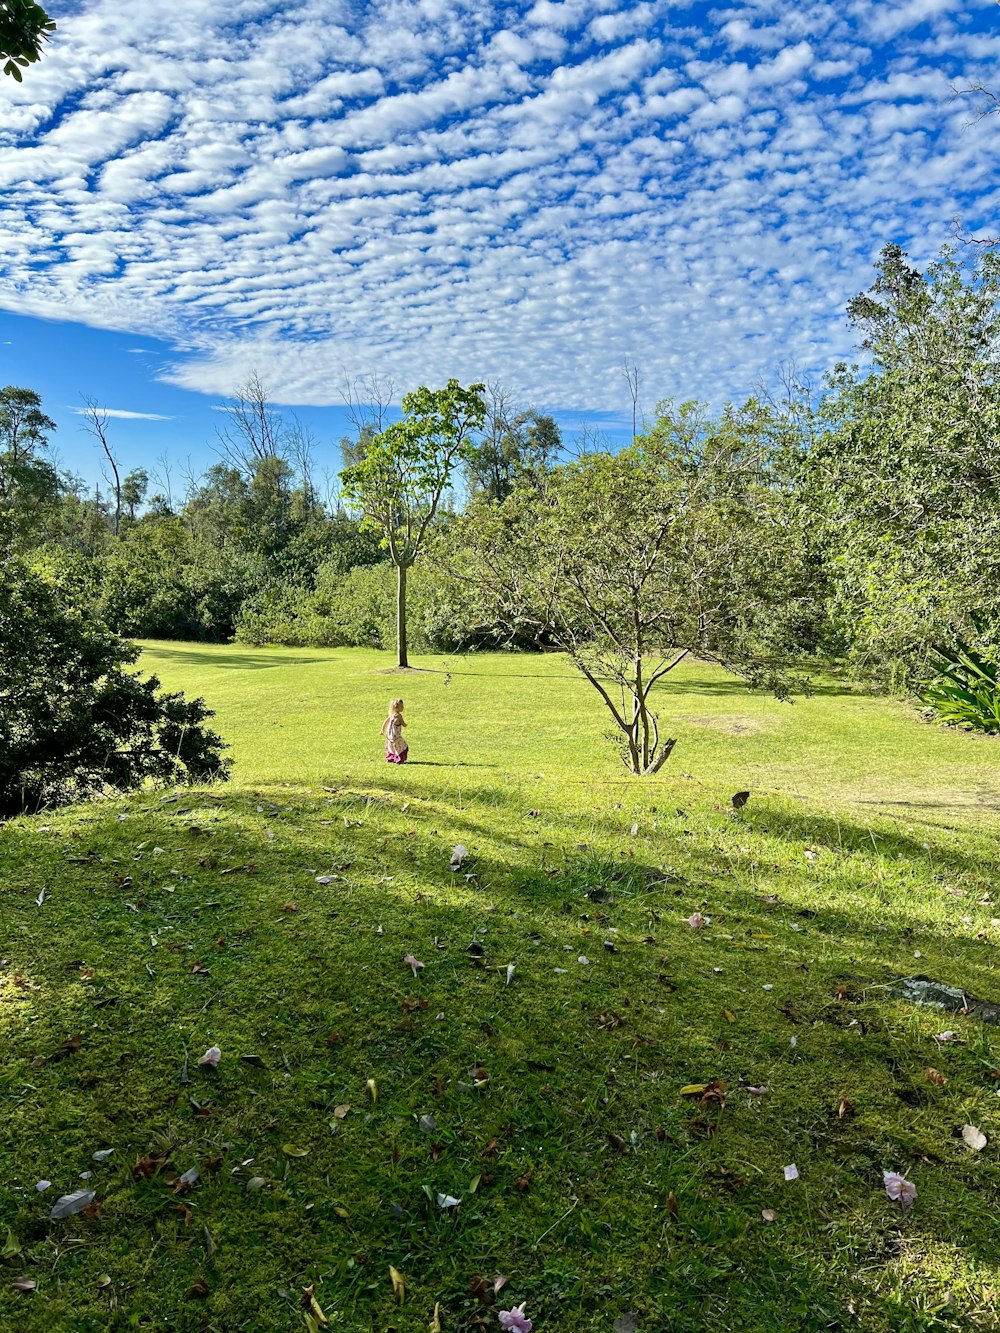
[(395, 706)]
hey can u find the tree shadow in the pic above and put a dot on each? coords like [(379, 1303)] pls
[(243, 661)]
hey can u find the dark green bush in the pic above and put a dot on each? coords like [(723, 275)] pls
[(74, 720)]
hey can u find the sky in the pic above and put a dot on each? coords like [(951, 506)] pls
[(531, 193)]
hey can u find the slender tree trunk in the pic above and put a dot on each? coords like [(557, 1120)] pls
[(402, 659)]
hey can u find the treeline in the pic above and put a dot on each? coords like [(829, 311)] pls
[(874, 511), (252, 551)]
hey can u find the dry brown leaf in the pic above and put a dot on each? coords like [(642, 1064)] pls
[(936, 1077)]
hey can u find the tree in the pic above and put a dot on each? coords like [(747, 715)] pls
[(28, 482), (515, 441), (134, 488), (74, 720), (24, 26), (97, 425), (400, 482), (905, 476), (255, 432), (629, 562)]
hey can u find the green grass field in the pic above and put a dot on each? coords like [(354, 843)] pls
[(270, 916)]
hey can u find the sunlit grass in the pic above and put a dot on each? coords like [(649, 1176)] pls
[(867, 851)]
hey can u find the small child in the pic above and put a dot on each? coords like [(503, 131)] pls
[(396, 748)]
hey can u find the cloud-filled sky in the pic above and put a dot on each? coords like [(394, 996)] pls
[(529, 192)]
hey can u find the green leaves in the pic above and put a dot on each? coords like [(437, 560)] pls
[(24, 26)]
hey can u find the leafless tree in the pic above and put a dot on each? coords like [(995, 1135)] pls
[(302, 451), (631, 372), (96, 419), (163, 475), (254, 430), (368, 399)]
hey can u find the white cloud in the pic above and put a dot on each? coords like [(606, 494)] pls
[(121, 415), (463, 187)]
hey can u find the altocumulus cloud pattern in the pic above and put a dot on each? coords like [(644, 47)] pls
[(531, 192)]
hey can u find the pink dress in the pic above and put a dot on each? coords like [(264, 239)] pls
[(396, 748)]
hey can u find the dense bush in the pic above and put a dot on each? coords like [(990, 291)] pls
[(74, 720)]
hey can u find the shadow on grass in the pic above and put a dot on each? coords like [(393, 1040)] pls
[(570, 1061), (230, 661)]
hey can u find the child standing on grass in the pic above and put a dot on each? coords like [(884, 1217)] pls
[(396, 748)]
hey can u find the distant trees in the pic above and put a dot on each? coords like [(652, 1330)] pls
[(24, 27), (514, 442), (399, 483)]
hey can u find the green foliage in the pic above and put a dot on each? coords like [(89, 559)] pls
[(679, 544), (903, 475), (24, 26), (966, 690), (74, 721)]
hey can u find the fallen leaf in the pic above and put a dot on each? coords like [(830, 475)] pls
[(190, 1177), (372, 1089), (936, 1077), (729, 1016), (71, 1204), (791, 1172), (739, 799), (696, 919), (510, 973), (435, 1325), (398, 1284), (11, 1246), (458, 855), (974, 1137), (290, 1150), (102, 1154), (42, 1186), (147, 1166), (209, 1242), (24, 1284), (341, 1111), (313, 1309), (693, 1089), (199, 967), (412, 963), (626, 1323), (769, 1215), (945, 1036), (255, 1184)]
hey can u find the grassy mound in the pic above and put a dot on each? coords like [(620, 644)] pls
[(356, 1095)]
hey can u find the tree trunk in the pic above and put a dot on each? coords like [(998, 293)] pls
[(402, 659)]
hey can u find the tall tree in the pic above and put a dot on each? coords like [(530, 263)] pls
[(905, 477), (400, 482), (97, 425), (28, 481), (24, 26)]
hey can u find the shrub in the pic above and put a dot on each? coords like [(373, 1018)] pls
[(966, 690), (74, 721)]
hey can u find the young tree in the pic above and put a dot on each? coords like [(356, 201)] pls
[(630, 562), (29, 484), (400, 482)]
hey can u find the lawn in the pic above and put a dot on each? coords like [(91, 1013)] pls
[(356, 1096)]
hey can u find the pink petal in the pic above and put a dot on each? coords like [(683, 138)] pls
[(211, 1057)]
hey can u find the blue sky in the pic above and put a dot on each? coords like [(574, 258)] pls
[(522, 192)]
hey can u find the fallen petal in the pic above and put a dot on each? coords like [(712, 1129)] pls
[(791, 1172), (211, 1057)]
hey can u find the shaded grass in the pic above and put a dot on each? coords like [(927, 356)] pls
[(600, 1189)]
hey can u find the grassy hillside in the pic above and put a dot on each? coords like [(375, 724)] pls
[(271, 917)]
